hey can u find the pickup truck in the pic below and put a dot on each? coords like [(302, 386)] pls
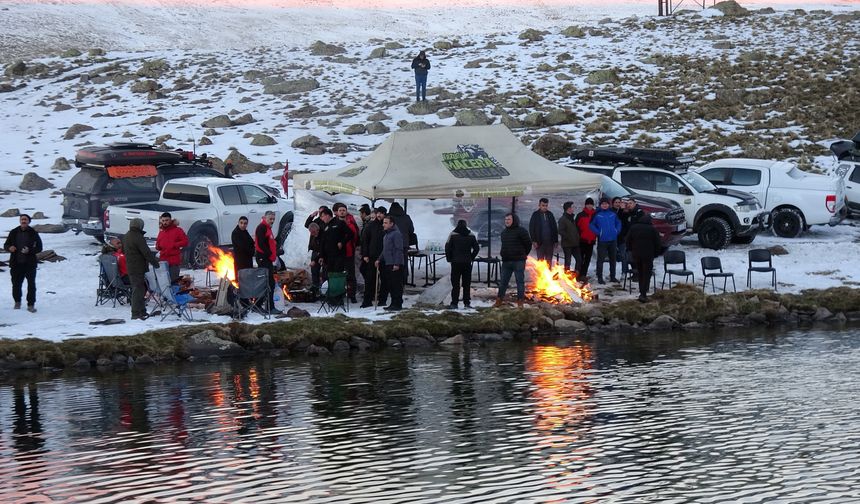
[(719, 216), (207, 209), (795, 199)]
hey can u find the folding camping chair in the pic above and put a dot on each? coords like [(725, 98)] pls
[(152, 292), (253, 294), (335, 296), (111, 286), (164, 293)]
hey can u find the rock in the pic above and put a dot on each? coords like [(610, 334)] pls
[(565, 325), (377, 128), (144, 86), (769, 10), (296, 312), (205, 141), (605, 76), (552, 146), (778, 250), (415, 126), (472, 117), (260, 140), (163, 139), (378, 116), (33, 182), (291, 87), (393, 45), (423, 107), (730, 8), (758, 318), (305, 142), (103, 362), (316, 350), (12, 212), (75, 129), (220, 121), (242, 164), (511, 122), (533, 120), (94, 52), (144, 360), (153, 68), (119, 360), (320, 48), (723, 44), (50, 228), (553, 314), (822, 314), (488, 337), (453, 340), (71, 53), (38, 215), (558, 117), (244, 119), (442, 45), (206, 343), (340, 346), (17, 69), (663, 323), (355, 129), (152, 120), (573, 31), (532, 35), (360, 344), (82, 364), (840, 318), (378, 52), (416, 342)]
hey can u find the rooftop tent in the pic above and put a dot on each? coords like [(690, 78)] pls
[(449, 162)]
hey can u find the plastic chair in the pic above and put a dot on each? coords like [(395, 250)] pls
[(493, 265), (254, 294), (675, 257), (715, 266), (760, 256), (627, 280), (335, 297), (169, 303), (111, 286)]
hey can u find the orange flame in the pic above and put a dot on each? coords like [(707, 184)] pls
[(555, 285), (222, 264), (286, 292)]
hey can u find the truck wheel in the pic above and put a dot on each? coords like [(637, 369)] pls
[(715, 233), (787, 222), (198, 256)]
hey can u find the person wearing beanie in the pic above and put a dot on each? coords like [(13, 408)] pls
[(371, 248), (137, 258), (543, 229), (569, 237), (460, 250), (606, 226), (586, 238)]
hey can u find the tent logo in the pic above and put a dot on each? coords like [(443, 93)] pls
[(352, 172), (472, 161)]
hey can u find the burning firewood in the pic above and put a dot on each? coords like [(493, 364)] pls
[(555, 285)]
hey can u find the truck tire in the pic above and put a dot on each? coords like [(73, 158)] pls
[(787, 222), (715, 233), (198, 249)]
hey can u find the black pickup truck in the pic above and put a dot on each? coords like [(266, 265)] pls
[(122, 173)]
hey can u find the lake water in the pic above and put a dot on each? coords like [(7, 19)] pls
[(677, 418)]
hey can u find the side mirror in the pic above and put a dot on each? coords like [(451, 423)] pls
[(685, 191), (272, 199)]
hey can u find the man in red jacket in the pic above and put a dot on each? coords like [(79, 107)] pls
[(351, 242), (169, 244), (267, 252), (587, 238)]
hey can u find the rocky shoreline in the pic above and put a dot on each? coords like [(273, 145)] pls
[(683, 308)]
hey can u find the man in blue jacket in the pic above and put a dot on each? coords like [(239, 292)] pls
[(392, 260), (606, 225)]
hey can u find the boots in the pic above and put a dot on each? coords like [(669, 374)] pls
[(498, 303)]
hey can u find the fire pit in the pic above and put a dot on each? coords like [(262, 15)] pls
[(555, 285)]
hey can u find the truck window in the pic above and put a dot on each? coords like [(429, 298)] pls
[(716, 176), (855, 174), (230, 195), (745, 177), (666, 183), (186, 192), (644, 181), (254, 195)]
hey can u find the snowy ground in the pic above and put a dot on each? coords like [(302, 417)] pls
[(33, 119)]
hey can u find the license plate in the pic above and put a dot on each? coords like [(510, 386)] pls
[(682, 227)]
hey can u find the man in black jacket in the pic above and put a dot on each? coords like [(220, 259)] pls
[(371, 248), (643, 242), (333, 242), (516, 245), (24, 243), (243, 247), (137, 258), (543, 229), (460, 250), (406, 227)]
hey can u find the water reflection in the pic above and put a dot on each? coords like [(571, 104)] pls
[(681, 417)]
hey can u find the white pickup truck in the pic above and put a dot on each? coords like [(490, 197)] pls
[(795, 199), (207, 209)]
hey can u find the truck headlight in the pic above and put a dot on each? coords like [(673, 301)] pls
[(658, 215)]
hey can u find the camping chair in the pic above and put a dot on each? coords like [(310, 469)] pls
[(152, 292), (254, 294), (760, 256), (164, 293), (111, 286), (335, 296), (715, 266), (627, 280), (675, 257)]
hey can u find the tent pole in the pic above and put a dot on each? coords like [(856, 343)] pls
[(514, 204), (405, 204)]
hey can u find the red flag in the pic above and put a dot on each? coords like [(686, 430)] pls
[(285, 179)]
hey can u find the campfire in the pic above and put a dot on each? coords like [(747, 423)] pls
[(555, 285), (222, 264)]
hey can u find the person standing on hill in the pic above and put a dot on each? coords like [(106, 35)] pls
[(586, 238), (569, 234), (460, 250), (643, 242), (169, 243), (421, 65), (606, 226), (543, 228), (23, 243), (137, 258)]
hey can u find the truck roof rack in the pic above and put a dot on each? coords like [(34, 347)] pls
[(631, 156), (847, 150), (129, 154)]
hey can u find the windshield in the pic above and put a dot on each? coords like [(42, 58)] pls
[(612, 189), (699, 183)]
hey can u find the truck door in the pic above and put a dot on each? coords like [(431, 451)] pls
[(257, 202), (234, 207), (663, 184)]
